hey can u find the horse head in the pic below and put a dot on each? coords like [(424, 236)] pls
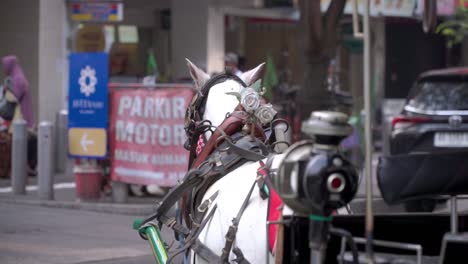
[(216, 93)]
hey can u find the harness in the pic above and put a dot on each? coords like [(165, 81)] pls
[(228, 148), (233, 152)]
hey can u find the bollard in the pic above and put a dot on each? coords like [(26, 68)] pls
[(19, 157), (61, 141), (119, 192), (45, 155)]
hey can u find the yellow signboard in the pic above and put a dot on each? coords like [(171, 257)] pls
[(90, 38), (87, 142)]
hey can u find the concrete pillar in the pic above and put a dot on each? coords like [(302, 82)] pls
[(19, 36), (188, 35), (53, 67), (215, 43), (197, 33)]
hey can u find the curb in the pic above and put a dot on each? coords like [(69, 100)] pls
[(110, 208)]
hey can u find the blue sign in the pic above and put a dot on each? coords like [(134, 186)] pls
[(88, 91), (88, 104)]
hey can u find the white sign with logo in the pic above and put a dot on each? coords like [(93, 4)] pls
[(87, 81)]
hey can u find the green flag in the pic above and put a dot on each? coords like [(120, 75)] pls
[(270, 79), (152, 66)]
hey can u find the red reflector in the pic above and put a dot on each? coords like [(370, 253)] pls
[(336, 183), (404, 119)]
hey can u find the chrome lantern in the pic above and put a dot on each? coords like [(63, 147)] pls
[(313, 177)]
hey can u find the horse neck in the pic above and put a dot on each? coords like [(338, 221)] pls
[(219, 103)]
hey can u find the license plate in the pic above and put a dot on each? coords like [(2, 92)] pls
[(451, 140)]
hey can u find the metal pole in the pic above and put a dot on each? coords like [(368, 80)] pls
[(453, 215), (280, 133), (19, 157), (316, 256), (45, 157), (62, 141), (368, 135)]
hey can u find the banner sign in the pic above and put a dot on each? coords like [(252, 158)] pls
[(87, 105), (98, 11), (147, 135)]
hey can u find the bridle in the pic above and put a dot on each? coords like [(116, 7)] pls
[(194, 123)]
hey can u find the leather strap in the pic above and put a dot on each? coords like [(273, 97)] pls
[(239, 256), (245, 153), (205, 253), (232, 124), (194, 177), (194, 235), (231, 234)]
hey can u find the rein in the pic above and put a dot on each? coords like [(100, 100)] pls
[(194, 124)]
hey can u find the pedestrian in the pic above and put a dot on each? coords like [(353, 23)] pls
[(16, 90), (18, 85), (231, 63)]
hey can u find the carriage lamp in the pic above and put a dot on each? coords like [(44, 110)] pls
[(313, 177)]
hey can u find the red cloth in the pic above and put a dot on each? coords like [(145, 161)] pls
[(274, 209), (274, 214)]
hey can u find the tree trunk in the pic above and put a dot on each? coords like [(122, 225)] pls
[(312, 95), (319, 37)]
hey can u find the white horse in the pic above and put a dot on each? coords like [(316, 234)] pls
[(233, 188)]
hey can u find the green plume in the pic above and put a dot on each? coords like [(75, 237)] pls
[(152, 66), (270, 79)]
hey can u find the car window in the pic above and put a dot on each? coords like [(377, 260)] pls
[(435, 96)]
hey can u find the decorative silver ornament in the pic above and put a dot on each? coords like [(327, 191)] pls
[(265, 113), (250, 100)]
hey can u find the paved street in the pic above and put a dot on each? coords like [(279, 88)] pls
[(37, 235)]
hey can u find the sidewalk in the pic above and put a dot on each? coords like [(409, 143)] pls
[(64, 197)]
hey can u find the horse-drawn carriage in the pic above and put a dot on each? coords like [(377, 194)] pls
[(249, 197)]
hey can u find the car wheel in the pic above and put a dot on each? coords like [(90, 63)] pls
[(424, 205)]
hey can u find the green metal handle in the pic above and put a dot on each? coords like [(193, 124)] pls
[(155, 240)]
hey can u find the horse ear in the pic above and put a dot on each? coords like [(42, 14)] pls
[(250, 77), (198, 75)]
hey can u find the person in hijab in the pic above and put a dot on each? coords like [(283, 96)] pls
[(19, 87), (17, 90)]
